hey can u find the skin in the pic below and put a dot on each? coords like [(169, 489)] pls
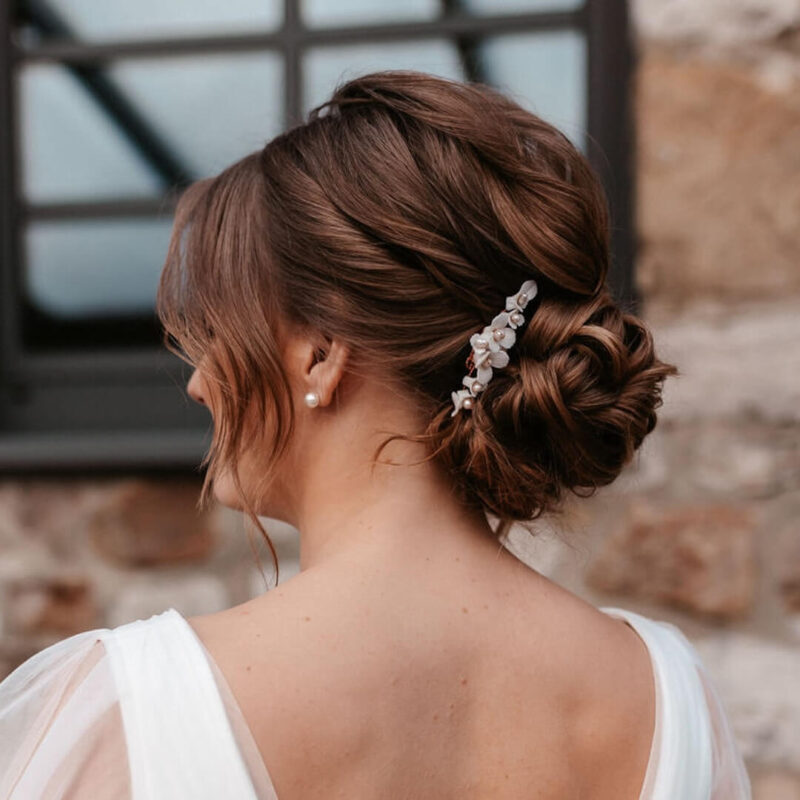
[(413, 656)]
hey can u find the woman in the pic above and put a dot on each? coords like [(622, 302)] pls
[(400, 323)]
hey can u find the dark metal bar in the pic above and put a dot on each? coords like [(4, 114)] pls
[(9, 232), (611, 146), (99, 52), (129, 365), (468, 46), (444, 26), (133, 125), (292, 64), (117, 207), (127, 451)]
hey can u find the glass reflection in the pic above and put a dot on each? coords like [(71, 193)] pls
[(71, 148), (206, 112), (544, 72), (212, 109), (120, 20), (325, 67), (484, 7), (324, 13), (82, 268)]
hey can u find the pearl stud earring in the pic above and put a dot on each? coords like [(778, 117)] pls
[(312, 399)]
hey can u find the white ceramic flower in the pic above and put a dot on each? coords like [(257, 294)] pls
[(500, 335), (496, 336), (515, 319), (481, 341), (526, 293), (488, 360), (458, 400)]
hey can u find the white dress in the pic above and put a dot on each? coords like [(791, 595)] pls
[(142, 712)]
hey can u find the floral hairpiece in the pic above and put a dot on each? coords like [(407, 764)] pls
[(490, 345)]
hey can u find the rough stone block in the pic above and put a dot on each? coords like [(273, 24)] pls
[(719, 24), (757, 681), (49, 604), (191, 595), (788, 568), (142, 523), (697, 558), (736, 361), (49, 515), (718, 179)]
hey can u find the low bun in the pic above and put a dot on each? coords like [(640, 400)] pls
[(566, 415)]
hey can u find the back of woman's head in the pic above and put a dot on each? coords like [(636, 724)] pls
[(398, 218)]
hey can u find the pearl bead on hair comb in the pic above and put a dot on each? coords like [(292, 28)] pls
[(490, 345)]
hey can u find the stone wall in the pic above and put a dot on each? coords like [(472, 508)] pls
[(703, 529), (80, 554)]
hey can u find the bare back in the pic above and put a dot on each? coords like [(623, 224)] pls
[(379, 685)]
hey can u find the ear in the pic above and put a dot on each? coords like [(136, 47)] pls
[(325, 365)]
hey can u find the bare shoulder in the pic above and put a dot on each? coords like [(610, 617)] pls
[(276, 622), (300, 661), (266, 635), (287, 653)]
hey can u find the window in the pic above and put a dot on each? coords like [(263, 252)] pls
[(108, 109)]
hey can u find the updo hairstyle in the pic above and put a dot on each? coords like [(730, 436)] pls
[(398, 218)]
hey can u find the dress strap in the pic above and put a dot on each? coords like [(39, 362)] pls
[(180, 743), (681, 759)]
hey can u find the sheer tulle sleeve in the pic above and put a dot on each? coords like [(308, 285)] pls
[(729, 778), (728, 774), (61, 730), (136, 711)]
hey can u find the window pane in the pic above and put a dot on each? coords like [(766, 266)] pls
[(545, 73), (94, 268), (208, 111), (72, 149), (118, 20), (519, 6), (325, 67), (212, 109), (324, 13)]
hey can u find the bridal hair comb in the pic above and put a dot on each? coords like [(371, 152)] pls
[(490, 345)]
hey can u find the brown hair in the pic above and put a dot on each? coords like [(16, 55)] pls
[(398, 218)]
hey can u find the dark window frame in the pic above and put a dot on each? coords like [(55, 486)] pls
[(145, 421)]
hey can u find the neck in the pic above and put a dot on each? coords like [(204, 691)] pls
[(392, 512), (348, 509)]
